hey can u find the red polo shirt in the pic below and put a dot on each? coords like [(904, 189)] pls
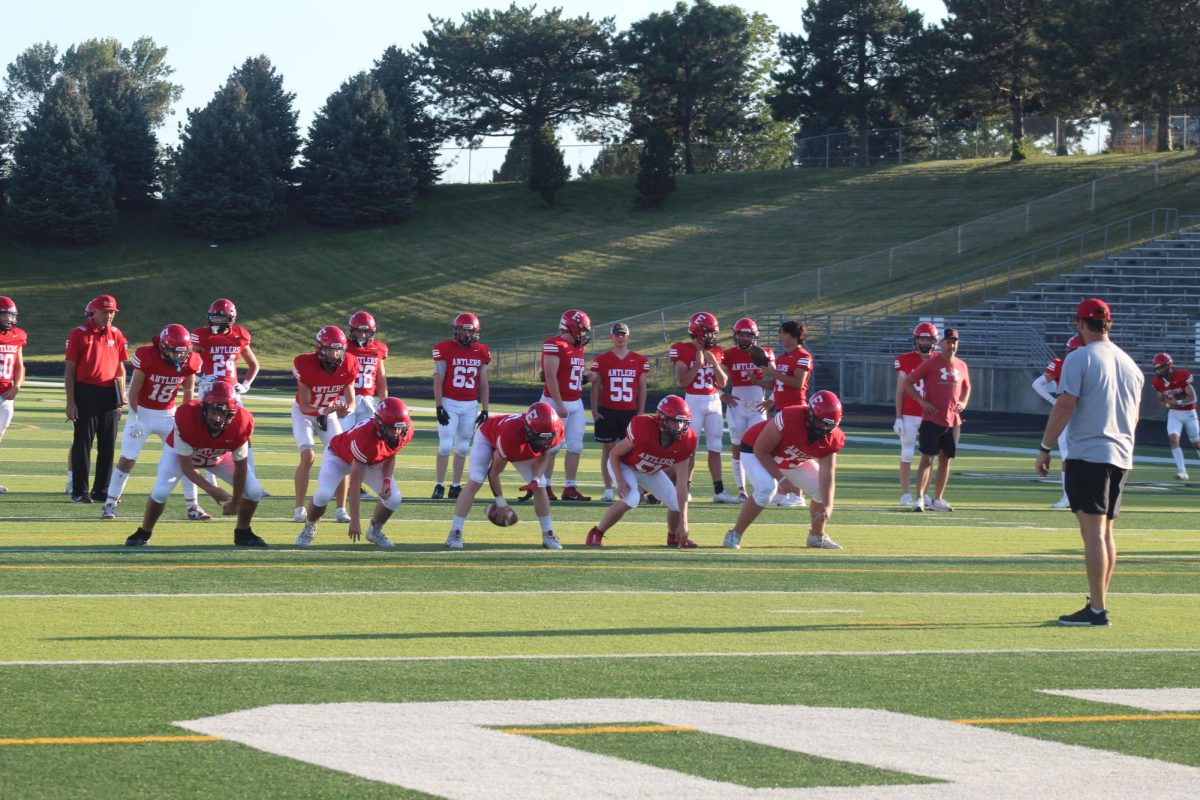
[(98, 355)]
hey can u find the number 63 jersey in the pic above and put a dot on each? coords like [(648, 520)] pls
[(463, 365), (220, 351)]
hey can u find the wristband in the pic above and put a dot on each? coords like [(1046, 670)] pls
[(1043, 448), (501, 502)]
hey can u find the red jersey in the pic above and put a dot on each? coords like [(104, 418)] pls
[(618, 379), (1054, 370), (162, 380), (326, 388), (507, 434), (363, 444), (906, 363), (790, 364), (98, 355), (463, 365), (648, 455), (946, 382), (369, 359), (205, 449), (742, 371), (685, 353), (220, 351), (11, 342), (571, 365), (1177, 386), (794, 446)]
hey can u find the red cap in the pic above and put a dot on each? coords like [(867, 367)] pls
[(1094, 308)]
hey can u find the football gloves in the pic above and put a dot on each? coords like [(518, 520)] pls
[(482, 418), (443, 416)]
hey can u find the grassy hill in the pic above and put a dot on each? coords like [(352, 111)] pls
[(495, 250)]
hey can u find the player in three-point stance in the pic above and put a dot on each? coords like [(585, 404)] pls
[(1177, 394), (460, 392)]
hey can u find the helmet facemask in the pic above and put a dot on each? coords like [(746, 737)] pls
[(361, 336)]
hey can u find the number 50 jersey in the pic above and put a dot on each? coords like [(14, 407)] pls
[(463, 365)]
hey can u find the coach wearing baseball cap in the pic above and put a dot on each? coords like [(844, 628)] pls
[(95, 384), (1100, 391)]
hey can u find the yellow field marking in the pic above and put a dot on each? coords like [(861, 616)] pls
[(1102, 718), (600, 729), (108, 740)]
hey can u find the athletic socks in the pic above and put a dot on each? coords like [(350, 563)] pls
[(1177, 454), (116, 484), (545, 523)]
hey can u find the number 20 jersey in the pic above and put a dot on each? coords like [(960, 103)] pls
[(463, 365)]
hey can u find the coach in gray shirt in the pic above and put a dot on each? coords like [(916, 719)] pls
[(1101, 390)]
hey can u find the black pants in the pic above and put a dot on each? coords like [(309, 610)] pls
[(99, 413)]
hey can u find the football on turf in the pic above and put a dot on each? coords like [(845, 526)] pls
[(502, 516), (759, 356)]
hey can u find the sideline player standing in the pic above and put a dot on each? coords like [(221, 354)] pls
[(908, 410), (1177, 394), (211, 434), (1046, 386), (654, 445), (94, 379), (791, 373), (460, 392), (1101, 392), (947, 390), (324, 395), (745, 402), (366, 455), (220, 344), (618, 393), (698, 371), (565, 368), (162, 370), (12, 365), (795, 449)]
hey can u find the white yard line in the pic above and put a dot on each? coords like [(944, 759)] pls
[(562, 592)]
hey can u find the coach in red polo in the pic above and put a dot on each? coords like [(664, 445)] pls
[(95, 384)]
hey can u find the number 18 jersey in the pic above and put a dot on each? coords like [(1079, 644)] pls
[(463, 365)]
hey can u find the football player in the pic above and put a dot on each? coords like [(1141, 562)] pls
[(618, 393), (699, 373), (744, 399), (790, 373), (366, 455), (324, 396), (795, 449), (654, 446), (1046, 386), (527, 441), (565, 369), (908, 411), (12, 365), (211, 434), (162, 371), (371, 386), (460, 392), (220, 344), (1177, 394)]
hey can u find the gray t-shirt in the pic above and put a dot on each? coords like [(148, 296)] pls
[(1108, 385)]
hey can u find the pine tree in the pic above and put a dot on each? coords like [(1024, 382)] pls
[(272, 107), (130, 146), (656, 167), (61, 188), (548, 172), (399, 74), (355, 168), (515, 167)]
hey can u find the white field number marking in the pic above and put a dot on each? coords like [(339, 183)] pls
[(450, 749)]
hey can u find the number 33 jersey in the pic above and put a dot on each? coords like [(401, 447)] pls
[(463, 365)]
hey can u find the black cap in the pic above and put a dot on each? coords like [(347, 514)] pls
[(620, 327), (950, 333)]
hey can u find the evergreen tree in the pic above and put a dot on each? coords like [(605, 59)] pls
[(401, 76), (130, 146), (225, 184), (656, 167), (272, 107), (61, 188), (516, 159), (548, 172), (355, 168)]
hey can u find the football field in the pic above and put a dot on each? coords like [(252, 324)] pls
[(923, 660)]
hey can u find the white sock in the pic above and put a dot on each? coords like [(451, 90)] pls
[(457, 523), (568, 484), (739, 475), (342, 511), (189, 492), (545, 523), (116, 484), (1177, 454)]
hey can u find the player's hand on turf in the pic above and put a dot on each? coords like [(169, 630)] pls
[(443, 416), (898, 426), (355, 532)]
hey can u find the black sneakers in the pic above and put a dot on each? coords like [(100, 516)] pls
[(1086, 617), (454, 492), (138, 538), (245, 537), (439, 492)]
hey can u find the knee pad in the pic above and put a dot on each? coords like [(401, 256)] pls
[(161, 492), (445, 446), (253, 491), (763, 497), (393, 501), (462, 448)]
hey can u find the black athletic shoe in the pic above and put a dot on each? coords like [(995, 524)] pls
[(245, 537), (99, 497), (137, 538), (454, 492), (81, 498), (439, 492), (1086, 617)]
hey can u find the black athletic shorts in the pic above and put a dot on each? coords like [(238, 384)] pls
[(612, 425), (1094, 488), (933, 439)]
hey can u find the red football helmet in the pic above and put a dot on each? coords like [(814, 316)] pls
[(1163, 365), (466, 329), (578, 326), (704, 326), (362, 328), (923, 330), (541, 426), (218, 407), (175, 343), (824, 412), (105, 302), (8, 313), (221, 315), (392, 420), (674, 416), (1074, 343), (331, 346), (745, 333)]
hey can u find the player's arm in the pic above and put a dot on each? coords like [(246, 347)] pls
[(380, 381), (251, 368), (135, 389), (827, 480), (619, 451), (720, 375), (1163, 401), (550, 368), (485, 392), (681, 498), (348, 400), (1041, 385), (304, 399), (764, 448), (358, 471), (596, 383), (439, 379), (189, 388), (499, 462), (1188, 397), (197, 477), (642, 389), (684, 375), (900, 393), (910, 386)]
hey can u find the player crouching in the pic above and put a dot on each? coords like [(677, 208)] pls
[(526, 440), (211, 434), (653, 445), (367, 453), (795, 449)]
